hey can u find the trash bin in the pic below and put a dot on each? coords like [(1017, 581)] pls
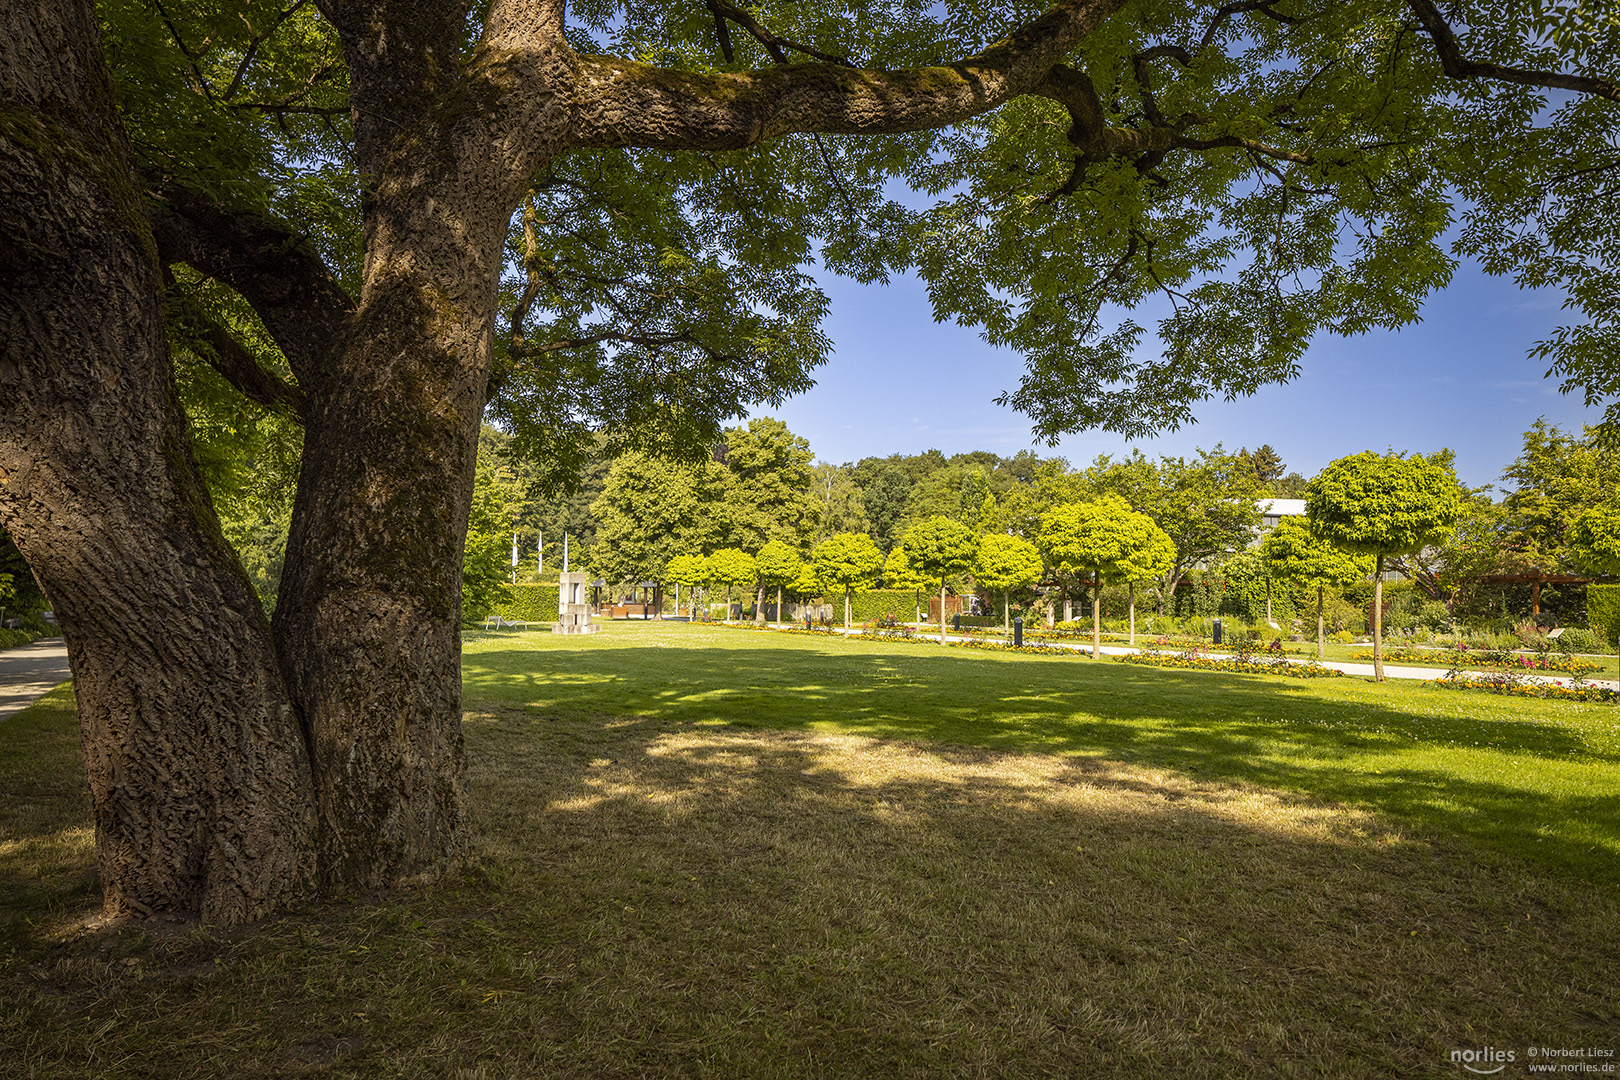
[(1018, 632), (1215, 632), (956, 622)]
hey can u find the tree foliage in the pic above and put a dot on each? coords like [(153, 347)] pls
[(1005, 563), (1384, 504), (1293, 553)]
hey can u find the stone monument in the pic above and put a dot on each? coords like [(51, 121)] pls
[(573, 612)]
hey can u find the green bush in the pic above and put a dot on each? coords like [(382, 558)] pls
[(1603, 610), (10, 639), (1576, 640), (531, 603)]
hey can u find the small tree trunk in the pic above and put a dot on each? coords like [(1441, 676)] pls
[(1321, 631), (1268, 600), (1096, 615), (1006, 611), (1130, 588), (759, 606), (846, 609), (1378, 619), (942, 611), (779, 605)]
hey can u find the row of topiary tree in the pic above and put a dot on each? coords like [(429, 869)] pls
[(1361, 510)]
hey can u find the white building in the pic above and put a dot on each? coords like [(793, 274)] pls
[(1274, 510)]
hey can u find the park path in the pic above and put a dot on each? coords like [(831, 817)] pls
[(1391, 671), (29, 671)]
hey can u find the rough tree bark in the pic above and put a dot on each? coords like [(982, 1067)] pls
[(197, 767)]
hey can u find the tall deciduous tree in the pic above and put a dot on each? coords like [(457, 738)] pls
[(361, 174), (1005, 563), (847, 560), (940, 547), (652, 509), (1205, 504), (1290, 551), (769, 495), (1383, 505)]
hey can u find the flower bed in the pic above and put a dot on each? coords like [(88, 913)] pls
[(1487, 658), (1511, 687), (1007, 646), (1246, 667)]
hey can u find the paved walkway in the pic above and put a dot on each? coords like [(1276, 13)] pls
[(1391, 671), (29, 671)]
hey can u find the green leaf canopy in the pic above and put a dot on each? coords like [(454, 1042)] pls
[(1384, 504), (847, 559), (778, 565), (1291, 552), (940, 547), (1006, 562)]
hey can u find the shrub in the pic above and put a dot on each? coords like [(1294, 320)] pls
[(1603, 610), (1576, 640), (1342, 637), (10, 639)]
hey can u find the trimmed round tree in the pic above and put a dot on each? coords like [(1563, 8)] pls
[(1291, 552), (733, 568), (688, 570), (1381, 505), (899, 573), (847, 559), (1149, 553), (779, 566), (1090, 538), (1594, 541), (940, 547), (1004, 563)]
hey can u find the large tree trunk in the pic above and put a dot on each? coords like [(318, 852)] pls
[(197, 767)]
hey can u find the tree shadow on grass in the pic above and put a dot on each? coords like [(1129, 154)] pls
[(886, 908), (1535, 787), (657, 895)]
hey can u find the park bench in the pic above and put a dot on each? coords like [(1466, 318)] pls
[(501, 622)]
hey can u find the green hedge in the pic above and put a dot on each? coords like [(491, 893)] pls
[(1603, 610), (10, 639), (531, 603), (870, 605)]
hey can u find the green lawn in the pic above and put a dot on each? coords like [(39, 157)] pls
[(1538, 779), (709, 852)]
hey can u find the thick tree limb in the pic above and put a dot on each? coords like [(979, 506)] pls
[(235, 363), (625, 104), (297, 299), (1458, 66)]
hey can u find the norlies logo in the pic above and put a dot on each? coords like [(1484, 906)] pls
[(1485, 1061)]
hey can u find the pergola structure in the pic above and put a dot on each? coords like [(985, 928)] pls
[(1536, 581)]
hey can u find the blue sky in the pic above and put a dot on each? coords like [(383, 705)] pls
[(900, 383)]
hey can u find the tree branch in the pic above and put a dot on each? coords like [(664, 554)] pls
[(1457, 66), (235, 362), (280, 275), (624, 104)]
